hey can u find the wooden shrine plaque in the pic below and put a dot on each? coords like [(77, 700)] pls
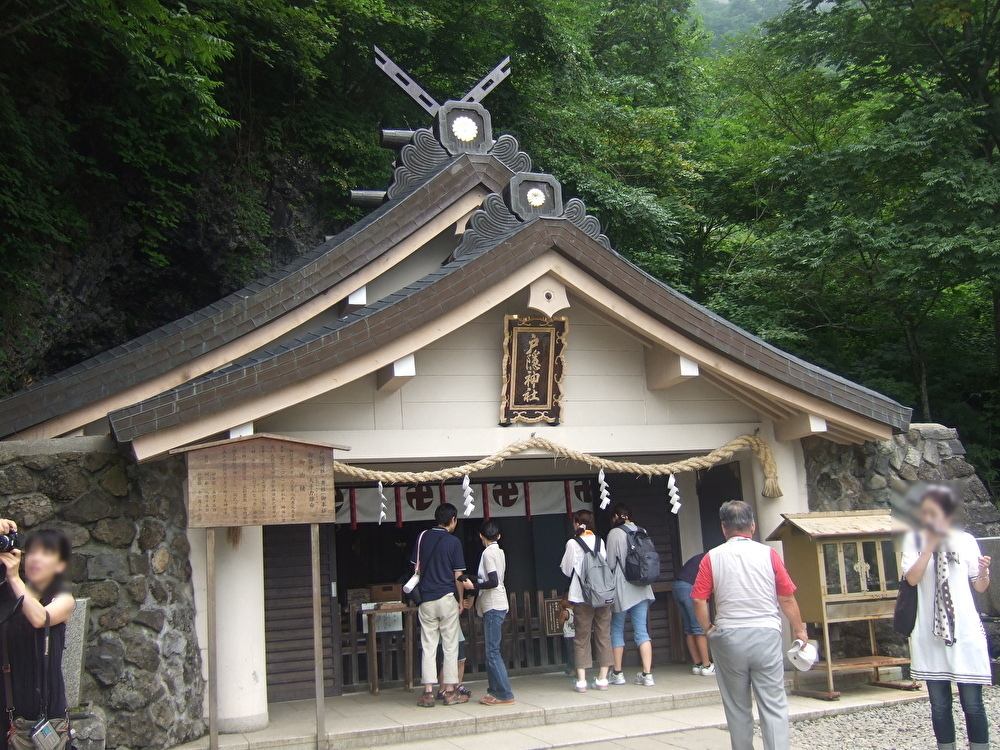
[(552, 609), (259, 480)]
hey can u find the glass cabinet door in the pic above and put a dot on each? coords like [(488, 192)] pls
[(860, 567), (872, 578), (831, 565), (890, 566), (853, 568)]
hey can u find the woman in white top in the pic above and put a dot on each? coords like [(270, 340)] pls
[(492, 606), (589, 620), (948, 643)]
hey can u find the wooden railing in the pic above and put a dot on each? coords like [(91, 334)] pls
[(527, 649)]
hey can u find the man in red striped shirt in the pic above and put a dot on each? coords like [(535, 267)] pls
[(751, 589)]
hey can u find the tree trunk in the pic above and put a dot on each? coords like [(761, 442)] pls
[(919, 369), (996, 325)]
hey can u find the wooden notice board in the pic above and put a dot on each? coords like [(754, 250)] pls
[(259, 480)]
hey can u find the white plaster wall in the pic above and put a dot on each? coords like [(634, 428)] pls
[(791, 475), (451, 408)]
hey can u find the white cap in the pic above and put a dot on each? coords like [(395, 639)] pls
[(803, 657)]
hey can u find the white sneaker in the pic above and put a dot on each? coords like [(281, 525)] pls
[(707, 671), (696, 669), (646, 680), (617, 678), (580, 687), (600, 684)]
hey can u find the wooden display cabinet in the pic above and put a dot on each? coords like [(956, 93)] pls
[(846, 566)]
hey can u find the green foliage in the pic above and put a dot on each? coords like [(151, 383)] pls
[(828, 183), (862, 178), (733, 18)]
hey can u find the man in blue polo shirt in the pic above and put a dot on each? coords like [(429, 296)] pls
[(440, 559)]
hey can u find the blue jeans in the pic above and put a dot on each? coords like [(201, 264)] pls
[(682, 595), (496, 670), (943, 720), (638, 614)]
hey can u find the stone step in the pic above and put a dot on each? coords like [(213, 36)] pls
[(548, 713), (689, 722), (534, 711)]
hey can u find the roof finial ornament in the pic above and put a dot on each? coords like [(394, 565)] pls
[(462, 126)]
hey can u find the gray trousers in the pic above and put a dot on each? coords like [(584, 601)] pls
[(745, 659)]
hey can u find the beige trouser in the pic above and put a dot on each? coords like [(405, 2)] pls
[(439, 622), (588, 620)]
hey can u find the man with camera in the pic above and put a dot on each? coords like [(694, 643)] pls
[(439, 561)]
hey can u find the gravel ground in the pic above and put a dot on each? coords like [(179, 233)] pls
[(904, 726)]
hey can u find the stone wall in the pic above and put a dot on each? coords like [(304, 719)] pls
[(856, 477), (130, 557), (859, 477)]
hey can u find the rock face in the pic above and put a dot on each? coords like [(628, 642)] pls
[(127, 527), (858, 477)]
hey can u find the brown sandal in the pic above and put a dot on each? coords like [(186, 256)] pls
[(492, 700)]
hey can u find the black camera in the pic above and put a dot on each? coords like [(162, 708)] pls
[(10, 541)]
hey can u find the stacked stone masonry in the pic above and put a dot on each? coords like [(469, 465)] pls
[(130, 558)]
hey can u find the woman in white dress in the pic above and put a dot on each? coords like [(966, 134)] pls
[(948, 643)]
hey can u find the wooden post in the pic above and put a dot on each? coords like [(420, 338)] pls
[(337, 626), (317, 622), (213, 654)]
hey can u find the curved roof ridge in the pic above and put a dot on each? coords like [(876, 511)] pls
[(470, 274)]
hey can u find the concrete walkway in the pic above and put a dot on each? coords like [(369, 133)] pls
[(681, 708), (697, 727), (693, 739)]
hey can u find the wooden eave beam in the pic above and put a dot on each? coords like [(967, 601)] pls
[(665, 369), (393, 377), (799, 426)]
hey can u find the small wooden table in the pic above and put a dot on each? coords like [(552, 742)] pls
[(372, 642)]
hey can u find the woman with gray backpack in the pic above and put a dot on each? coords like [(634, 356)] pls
[(592, 593), (636, 564)]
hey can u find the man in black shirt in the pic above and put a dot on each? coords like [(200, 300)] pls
[(694, 636), (440, 560)]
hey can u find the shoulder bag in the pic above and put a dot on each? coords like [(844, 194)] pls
[(41, 733), (904, 618), (412, 588)]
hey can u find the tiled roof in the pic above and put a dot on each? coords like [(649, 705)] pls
[(457, 282), (181, 341)]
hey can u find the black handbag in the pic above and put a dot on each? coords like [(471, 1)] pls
[(904, 617)]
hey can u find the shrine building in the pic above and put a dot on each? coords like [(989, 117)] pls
[(475, 306)]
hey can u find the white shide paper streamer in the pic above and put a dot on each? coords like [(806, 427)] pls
[(382, 507), (469, 497), (675, 495), (605, 494)]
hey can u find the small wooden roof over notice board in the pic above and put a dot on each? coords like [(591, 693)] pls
[(260, 480), (838, 524)]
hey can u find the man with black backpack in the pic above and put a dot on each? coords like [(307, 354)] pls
[(636, 564)]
